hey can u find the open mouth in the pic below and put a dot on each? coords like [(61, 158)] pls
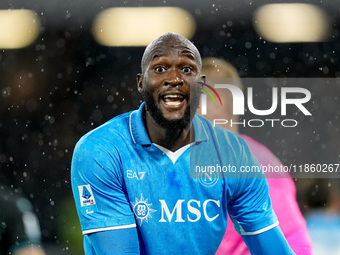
[(173, 99)]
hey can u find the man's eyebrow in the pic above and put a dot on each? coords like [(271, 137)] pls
[(156, 56), (188, 54)]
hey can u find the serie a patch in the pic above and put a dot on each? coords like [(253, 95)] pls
[(87, 200)]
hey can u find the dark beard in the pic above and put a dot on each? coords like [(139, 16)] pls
[(171, 125)]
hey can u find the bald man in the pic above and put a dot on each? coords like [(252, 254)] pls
[(131, 177)]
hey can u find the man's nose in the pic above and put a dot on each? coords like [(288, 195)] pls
[(174, 78)]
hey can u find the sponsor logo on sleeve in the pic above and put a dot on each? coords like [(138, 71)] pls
[(87, 201)]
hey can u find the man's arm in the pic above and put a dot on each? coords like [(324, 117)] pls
[(268, 242), (120, 241), (102, 204), (252, 214), (282, 192)]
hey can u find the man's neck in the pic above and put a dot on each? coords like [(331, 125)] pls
[(167, 138)]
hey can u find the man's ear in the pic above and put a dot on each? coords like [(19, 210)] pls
[(140, 82), (203, 77)]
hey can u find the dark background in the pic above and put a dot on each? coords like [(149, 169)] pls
[(69, 84)]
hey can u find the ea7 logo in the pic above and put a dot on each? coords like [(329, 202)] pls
[(132, 174), (194, 207)]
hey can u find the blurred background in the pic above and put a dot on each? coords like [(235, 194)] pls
[(68, 66)]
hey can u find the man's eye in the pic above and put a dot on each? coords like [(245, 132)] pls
[(187, 69), (159, 69)]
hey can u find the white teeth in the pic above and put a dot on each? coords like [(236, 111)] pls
[(173, 96), (173, 103)]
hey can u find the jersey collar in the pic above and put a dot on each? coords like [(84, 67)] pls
[(137, 128), (201, 134), (140, 136)]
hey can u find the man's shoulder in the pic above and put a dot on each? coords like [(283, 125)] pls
[(262, 152), (220, 133), (111, 131)]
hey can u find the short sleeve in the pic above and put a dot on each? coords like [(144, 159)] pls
[(98, 189), (249, 204)]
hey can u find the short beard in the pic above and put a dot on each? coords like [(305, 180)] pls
[(171, 125)]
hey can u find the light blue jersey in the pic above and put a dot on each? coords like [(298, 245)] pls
[(121, 180)]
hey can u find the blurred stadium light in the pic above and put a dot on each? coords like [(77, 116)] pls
[(292, 23), (139, 26), (18, 28)]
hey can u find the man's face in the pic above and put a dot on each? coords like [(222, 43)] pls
[(166, 84)]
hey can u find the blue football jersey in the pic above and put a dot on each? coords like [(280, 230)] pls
[(177, 200)]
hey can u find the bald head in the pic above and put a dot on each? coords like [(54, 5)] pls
[(170, 43)]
